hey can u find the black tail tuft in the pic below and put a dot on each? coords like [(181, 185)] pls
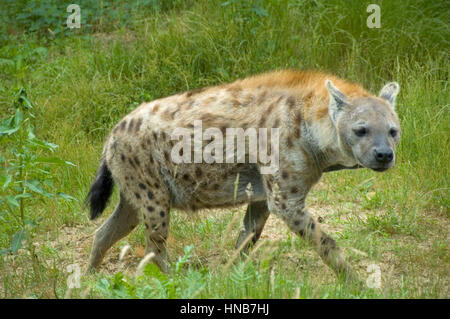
[(100, 191)]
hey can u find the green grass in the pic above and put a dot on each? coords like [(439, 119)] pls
[(83, 82)]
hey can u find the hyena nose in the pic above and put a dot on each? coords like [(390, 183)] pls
[(383, 155)]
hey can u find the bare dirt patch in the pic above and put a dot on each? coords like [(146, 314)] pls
[(396, 264)]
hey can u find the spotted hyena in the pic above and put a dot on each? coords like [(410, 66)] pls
[(324, 123)]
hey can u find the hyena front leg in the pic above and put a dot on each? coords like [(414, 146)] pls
[(254, 221), (122, 221), (304, 225), (286, 192)]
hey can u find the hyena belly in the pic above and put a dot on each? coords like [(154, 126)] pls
[(198, 186), (142, 162)]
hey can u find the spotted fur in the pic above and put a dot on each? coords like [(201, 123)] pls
[(315, 113)]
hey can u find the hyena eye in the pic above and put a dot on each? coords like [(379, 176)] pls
[(360, 131), (393, 132)]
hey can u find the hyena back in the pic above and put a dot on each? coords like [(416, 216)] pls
[(324, 123)]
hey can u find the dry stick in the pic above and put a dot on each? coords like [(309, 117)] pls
[(144, 262), (238, 250), (228, 229), (236, 183), (233, 220), (124, 251), (272, 281)]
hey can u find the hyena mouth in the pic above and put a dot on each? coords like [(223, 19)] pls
[(377, 167), (374, 168), (380, 169)]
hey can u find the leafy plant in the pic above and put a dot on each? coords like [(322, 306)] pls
[(25, 170), (155, 284)]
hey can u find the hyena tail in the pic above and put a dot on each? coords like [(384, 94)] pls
[(100, 191)]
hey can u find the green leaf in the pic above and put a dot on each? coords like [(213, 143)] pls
[(259, 11), (42, 144), (44, 172), (152, 271), (12, 201), (18, 118), (41, 51), (23, 195), (26, 102), (7, 62), (8, 127), (35, 186), (52, 160), (48, 182), (30, 222), (16, 242), (184, 259), (103, 285), (7, 181), (6, 123), (30, 131), (65, 196)]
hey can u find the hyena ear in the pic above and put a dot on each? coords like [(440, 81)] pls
[(338, 100), (389, 92)]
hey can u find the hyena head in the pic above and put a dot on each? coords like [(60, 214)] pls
[(367, 127)]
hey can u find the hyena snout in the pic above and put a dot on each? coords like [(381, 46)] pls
[(383, 158), (383, 155)]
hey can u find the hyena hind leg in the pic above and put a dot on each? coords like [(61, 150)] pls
[(156, 220), (254, 220), (122, 221)]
